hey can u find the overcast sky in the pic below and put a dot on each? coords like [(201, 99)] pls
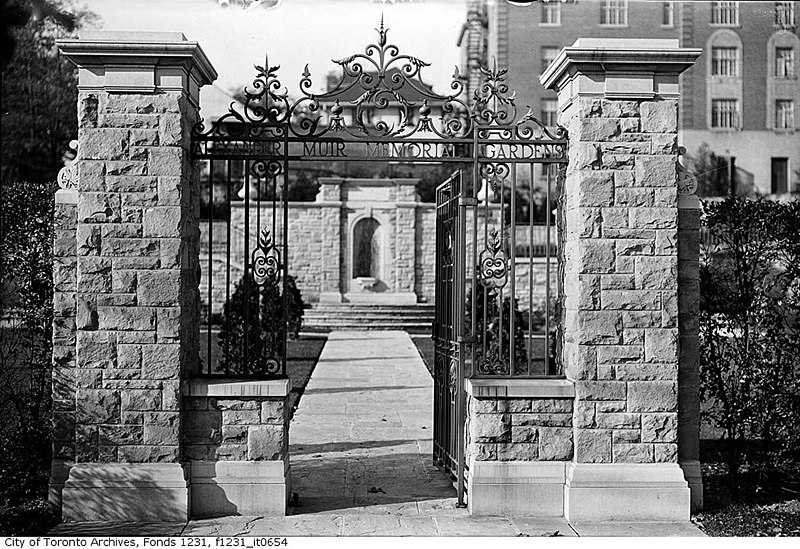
[(295, 33)]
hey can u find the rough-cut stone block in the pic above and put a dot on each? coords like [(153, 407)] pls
[(166, 161), (169, 190), (159, 288), (653, 218), (557, 406), (646, 372), (544, 420), (596, 188), (141, 400), (265, 443), (659, 427), (91, 176), (590, 256), (203, 427), (600, 390), (96, 406), (94, 275), (592, 446), (631, 299), (273, 411), (136, 247), (659, 116), (162, 428), (149, 454), (491, 427), (140, 104), (161, 361), (633, 453), (126, 318), (517, 451), (234, 434), (241, 417), (614, 218), (582, 292), (656, 272), (114, 435), (665, 453), (652, 396), (96, 350), (524, 434), (619, 353), (103, 143), (661, 345), (618, 421), (555, 444), (612, 108), (170, 253), (162, 221), (626, 436), (585, 327)]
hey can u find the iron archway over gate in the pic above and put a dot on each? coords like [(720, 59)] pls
[(380, 110)]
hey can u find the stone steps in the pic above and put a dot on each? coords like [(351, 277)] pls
[(411, 318)]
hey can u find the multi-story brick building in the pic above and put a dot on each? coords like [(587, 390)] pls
[(741, 97)]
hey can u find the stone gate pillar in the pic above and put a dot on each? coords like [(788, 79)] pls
[(619, 101), (134, 297)]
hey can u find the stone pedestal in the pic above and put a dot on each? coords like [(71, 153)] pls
[(618, 100), (236, 437), (135, 300)]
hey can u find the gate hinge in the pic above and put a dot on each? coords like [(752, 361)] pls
[(465, 201)]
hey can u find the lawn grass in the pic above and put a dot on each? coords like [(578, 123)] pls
[(424, 344), (302, 356)]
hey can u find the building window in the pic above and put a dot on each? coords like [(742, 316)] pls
[(667, 14), (551, 13), (549, 112), (784, 62), (784, 114), (614, 13), (725, 13), (724, 61), (724, 113), (549, 54), (780, 175), (784, 15)]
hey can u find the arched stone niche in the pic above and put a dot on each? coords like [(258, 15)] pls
[(367, 254), (367, 248)]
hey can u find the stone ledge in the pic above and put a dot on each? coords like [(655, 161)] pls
[(226, 387), (520, 388), (67, 196)]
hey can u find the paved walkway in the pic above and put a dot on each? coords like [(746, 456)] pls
[(361, 445)]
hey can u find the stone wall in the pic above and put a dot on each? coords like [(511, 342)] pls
[(65, 283), (621, 279), (134, 273), (235, 429), (519, 429)]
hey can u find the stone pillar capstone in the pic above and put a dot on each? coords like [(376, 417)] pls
[(136, 297), (618, 98)]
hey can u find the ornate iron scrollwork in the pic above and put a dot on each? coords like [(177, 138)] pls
[(378, 79), (493, 262), (266, 260)]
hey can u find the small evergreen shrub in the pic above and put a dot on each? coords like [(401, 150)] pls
[(252, 319)]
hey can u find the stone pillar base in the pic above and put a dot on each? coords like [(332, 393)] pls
[(694, 476), (130, 492), (517, 488), (225, 488), (626, 491)]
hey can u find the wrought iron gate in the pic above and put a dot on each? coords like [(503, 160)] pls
[(448, 323), (495, 224)]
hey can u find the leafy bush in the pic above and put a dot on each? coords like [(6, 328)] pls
[(26, 316), (257, 316), (749, 329)]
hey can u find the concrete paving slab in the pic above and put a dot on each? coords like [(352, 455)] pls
[(376, 456), (637, 529), (113, 529), (388, 525), (543, 527), (474, 526)]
